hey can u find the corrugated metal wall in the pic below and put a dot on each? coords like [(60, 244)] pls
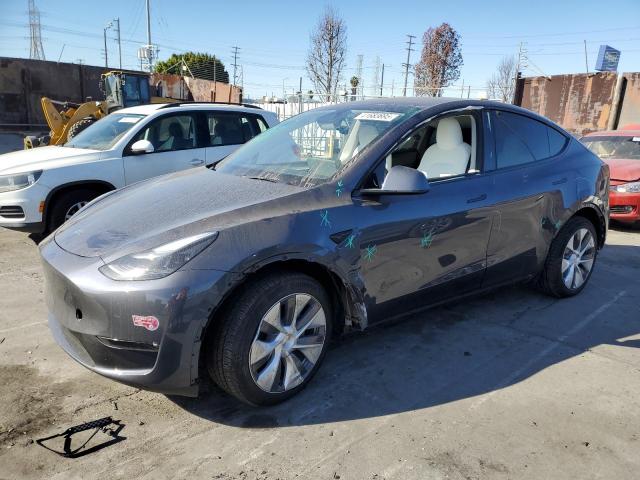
[(583, 103)]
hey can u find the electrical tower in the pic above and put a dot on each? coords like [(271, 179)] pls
[(235, 63), (37, 52), (406, 65), (376, 75), (359, 73)]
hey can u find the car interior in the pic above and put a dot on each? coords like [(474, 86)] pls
[(168, 134), (445, 147)]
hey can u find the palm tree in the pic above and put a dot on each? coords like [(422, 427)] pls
[(355, 81)]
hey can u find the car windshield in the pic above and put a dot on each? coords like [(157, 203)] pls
[(105, 133), (614, 147), (310, 148)]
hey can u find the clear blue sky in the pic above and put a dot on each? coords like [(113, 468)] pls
[(273, 36)]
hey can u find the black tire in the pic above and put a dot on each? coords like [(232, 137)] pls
[(79, 126), (65, 202), (228, 350), (550, 280)]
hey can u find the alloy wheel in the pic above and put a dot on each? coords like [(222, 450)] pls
[(288, 343), (74, 209), (578, 258)]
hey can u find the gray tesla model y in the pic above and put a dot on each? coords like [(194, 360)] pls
[(335, 219)]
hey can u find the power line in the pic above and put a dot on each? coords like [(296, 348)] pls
[(406, 65)]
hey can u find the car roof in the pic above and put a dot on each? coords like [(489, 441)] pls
[(169, 107), (425, 103)]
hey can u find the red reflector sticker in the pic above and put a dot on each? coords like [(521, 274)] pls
[(150, 322)]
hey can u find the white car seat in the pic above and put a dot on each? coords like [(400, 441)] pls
[(364, 136), (449, 155)]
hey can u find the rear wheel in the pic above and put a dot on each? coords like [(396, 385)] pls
[(272, 340), (68, 204), (571, 258)]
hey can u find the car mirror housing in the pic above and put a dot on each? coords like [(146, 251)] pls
[(401, 181), (142, 146)]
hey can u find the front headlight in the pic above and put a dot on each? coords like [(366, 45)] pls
[(633, 187), (18, 181), (158, 262)]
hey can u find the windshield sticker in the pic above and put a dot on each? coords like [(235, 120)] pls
[(378, 116), (129, 120)]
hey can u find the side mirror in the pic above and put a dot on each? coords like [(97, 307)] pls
[(401, 181), (142, 146)]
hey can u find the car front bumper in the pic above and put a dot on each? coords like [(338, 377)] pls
[(20, 209), (624, 207), (97, 321)]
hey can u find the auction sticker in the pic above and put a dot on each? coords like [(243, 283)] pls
[(149, 322), (378, 116)]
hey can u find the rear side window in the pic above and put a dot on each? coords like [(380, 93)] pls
[(521, 140), (226, 128)]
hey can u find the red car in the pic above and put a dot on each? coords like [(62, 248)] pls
[(620, 149)]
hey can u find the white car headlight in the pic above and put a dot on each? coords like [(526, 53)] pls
[(158, 262), (633, 187), (18, 181)]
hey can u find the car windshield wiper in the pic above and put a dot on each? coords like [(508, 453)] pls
[(266, 179)]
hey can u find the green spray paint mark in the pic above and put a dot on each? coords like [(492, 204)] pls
[(349, 241), (426, 240), (339, 188), (324, 219), (370, 252)]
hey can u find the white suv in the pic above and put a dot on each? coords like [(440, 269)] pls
[(42, 187)]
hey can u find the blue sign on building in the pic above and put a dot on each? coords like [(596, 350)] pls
[(608, 58)]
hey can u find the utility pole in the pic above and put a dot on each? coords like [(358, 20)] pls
[(382, 80), (522, 62), (586, 60), (106, 52), (235, 63), (36, 52), (117, 20), (406, 65), (359, 73)]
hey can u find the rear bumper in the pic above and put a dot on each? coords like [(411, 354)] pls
[(624, 207), (96, 321)]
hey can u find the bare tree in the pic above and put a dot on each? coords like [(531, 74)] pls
[(501, 86), (440, 61), (327, 52)]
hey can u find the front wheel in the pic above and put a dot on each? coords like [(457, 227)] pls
[(272, 340), (67, 205), (571, 259)]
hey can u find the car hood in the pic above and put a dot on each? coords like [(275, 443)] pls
[(42, 158), (624, 170), (160, 210)]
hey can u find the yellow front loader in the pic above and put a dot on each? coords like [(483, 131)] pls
[(65, 119)]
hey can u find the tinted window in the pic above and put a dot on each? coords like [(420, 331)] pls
[(226, 129), (522, 140), (169, 133)]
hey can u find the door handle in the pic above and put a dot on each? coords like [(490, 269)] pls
[(479, 198), (197, 161), (559, 181)]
